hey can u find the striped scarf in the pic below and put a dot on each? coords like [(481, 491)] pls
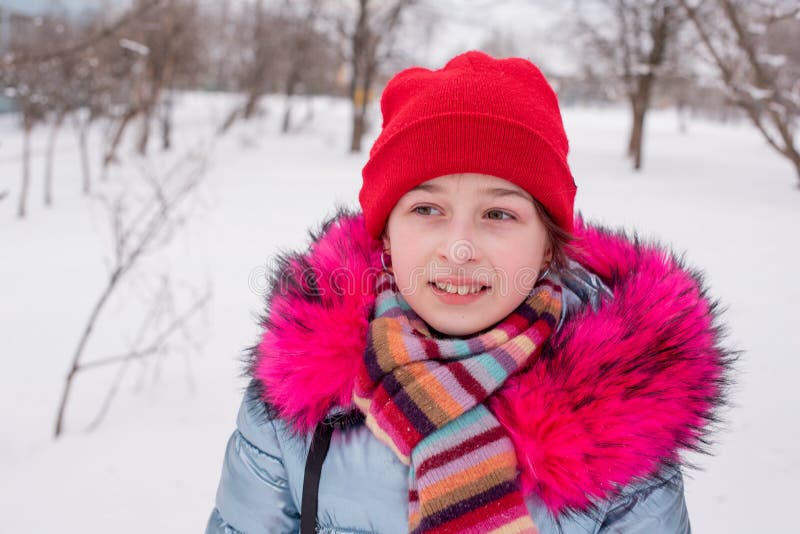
[(425, 398)]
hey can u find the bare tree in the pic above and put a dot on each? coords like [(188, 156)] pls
[(173, 55), (154, 336), (51, 70), (138, 229), (306, 51), (159, 49), (21, 82), (92, 85), (56, 82), (369, 31), (221, 28), (55, 128), (258, 63), (104, 32), (72, 82), (65, 66), (753, 47), (31, 114), (630, 41), (123, 60)]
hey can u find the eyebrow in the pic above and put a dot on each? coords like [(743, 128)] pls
[(494, 191), (427, 187)]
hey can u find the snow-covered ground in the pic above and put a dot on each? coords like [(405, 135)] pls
[(716, 192)]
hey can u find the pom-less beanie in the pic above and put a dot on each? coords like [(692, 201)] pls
[(476, 114)]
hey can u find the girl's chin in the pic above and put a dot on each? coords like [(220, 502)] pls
[(457, 327)]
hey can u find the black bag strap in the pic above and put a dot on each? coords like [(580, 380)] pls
[(320, 444)]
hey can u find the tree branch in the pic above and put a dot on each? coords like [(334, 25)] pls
[(157, 343), (108, 31)]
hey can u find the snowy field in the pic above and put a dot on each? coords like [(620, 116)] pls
[(716, 192)]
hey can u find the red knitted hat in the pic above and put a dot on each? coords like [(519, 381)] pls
[(477, 114)]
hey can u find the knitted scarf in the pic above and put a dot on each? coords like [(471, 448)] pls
[(425, 397)]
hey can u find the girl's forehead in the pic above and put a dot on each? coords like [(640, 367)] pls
[(467, 178), (481, 183)]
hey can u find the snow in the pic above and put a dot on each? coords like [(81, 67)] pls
[(716, 192), (642, 69), (773, 60), (757, 93), (134, 46)]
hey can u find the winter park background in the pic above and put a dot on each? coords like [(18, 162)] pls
[(143, 437)]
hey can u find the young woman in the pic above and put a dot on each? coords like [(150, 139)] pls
[(465, 354)]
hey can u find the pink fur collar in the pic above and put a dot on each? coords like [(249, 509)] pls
[(618, 395)]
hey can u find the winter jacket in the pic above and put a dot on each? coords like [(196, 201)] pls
[(632, 377)]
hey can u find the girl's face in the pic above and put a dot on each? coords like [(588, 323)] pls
[(466, 250)]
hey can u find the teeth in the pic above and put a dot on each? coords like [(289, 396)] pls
[(461, 290)]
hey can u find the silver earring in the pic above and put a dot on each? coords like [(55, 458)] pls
[(543, 273), (383, 261)]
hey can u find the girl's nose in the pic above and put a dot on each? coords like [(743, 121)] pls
[(458, 245)]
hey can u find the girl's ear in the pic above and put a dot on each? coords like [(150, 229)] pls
[(385, 238)]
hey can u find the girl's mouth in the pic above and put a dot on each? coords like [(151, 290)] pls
[(450, 294)]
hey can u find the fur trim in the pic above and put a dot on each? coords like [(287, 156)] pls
[(319, 305), (617, 395), (624, 389)]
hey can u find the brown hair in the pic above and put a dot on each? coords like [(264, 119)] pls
[(564, 243)]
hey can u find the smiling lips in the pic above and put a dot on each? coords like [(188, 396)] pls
[(457, 295), (461, 289)]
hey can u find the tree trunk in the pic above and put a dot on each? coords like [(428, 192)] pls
[(358, 129), (357, 119), (111, 153), (659, 34), (51, 147), (76, 358), (166, 123), (357, 60), (258, 73), (366, 86), (150, 107), (639, 142), (287, 116), (232, 116), (291, 86), (144, 134), (794, 157), (26, 170), (83, 128), (638, 111), (251, 105)]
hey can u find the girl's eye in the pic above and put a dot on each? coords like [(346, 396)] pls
[(497, 215), (428, 208)]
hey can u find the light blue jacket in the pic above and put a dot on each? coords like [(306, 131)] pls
[(363, 487)]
